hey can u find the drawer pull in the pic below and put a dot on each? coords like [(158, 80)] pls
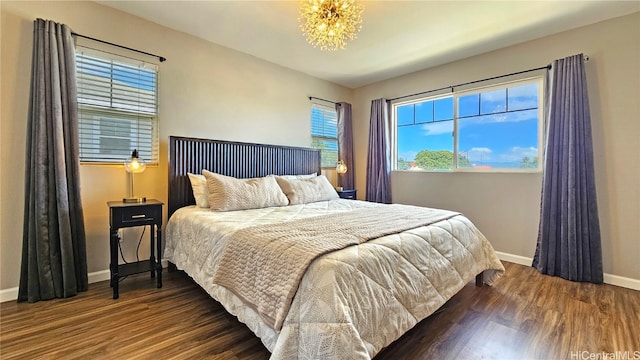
[(141, 216)]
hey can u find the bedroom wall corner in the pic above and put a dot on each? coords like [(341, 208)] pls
[(205, 90), (506, 207)]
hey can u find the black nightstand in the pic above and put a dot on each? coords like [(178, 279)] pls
[(347, 194), (123, 215)]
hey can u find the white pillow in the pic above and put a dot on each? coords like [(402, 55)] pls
[(304, 191), (200, 190), (307, 176), (228, 193)]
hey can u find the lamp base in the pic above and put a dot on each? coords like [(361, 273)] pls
[(134, 199)]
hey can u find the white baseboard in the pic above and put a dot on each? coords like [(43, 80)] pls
[(94, 277), (516, 259), (98, 276), (616, 280), (622, 281), (8, 294)]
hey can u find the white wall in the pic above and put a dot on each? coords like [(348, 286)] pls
[(205, 90), (210, 91), (506, 206)]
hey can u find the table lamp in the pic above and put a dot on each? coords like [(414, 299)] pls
[(134, 165), (341, 168)]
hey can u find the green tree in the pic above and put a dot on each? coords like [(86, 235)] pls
[(527, 163), (403, 164), (439, 160)]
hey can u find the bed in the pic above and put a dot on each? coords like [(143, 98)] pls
[(348, 302)]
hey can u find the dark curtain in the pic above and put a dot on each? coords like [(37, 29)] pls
[(345, 145), (54, 261), (378, 159), (569, 232)]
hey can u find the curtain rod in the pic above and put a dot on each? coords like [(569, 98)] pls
[(317, 98), (161, 58), (472, 82)]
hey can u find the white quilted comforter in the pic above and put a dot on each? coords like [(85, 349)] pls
[(350, 303)]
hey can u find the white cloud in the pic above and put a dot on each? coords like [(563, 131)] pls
[(517, 116), (520, 97), (481, 150), (478, 154), (438, 128), (517, 153)]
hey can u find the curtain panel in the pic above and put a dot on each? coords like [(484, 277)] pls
[(345, 145), (54, 262), (569, 244), (378, 158)]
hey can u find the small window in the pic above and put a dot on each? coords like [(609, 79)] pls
[(117, 107), (324, 133), (498, 128)]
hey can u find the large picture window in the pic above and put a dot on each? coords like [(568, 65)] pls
[(324, 133), (497, 128), (117, 107)]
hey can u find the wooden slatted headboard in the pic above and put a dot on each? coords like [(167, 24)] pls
[(237, 159)]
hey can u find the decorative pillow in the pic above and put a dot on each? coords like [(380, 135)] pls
[(200, 190), (228, 193), (304, 191), (293, 177)]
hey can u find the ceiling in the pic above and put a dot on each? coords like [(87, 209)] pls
[(397, 37)]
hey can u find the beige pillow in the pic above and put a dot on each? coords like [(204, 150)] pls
[(304, 191), (227, 193), (200, 190), (305, 176)]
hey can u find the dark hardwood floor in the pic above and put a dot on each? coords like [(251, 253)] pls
[(525, 315)]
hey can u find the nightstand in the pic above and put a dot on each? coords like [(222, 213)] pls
[(347, 194), (123, 215)]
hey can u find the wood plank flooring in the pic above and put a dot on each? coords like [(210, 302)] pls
[(525, 315)]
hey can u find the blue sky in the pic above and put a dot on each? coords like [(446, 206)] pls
[(496, 128)]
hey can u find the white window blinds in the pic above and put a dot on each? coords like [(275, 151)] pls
[(117, 107), (324, 133)]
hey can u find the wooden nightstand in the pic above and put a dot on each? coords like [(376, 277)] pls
[(123, 215), (347, 194)]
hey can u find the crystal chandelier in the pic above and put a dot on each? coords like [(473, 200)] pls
[(329, 23)]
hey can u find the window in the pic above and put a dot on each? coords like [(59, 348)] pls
[(488, 129), (117, 107), (324, 133)]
